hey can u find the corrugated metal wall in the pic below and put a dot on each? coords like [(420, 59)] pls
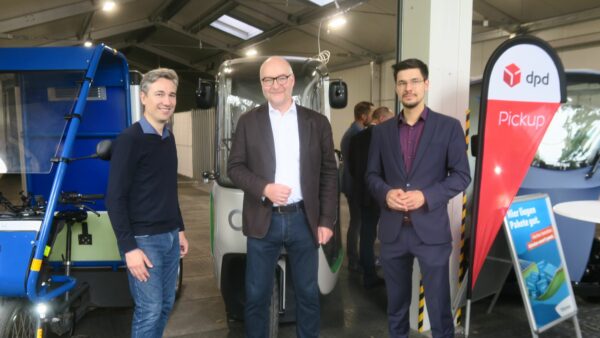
[(203, 140), (195, 136), (182, 128)]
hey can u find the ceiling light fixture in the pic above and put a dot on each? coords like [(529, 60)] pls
[(108, 6), (88, 41), (251, 52), (337, 21)]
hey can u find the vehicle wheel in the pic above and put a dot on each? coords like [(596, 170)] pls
[(274, 311), (17, 319), (179, 279)]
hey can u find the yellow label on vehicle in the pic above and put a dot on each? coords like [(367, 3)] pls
[(36, 264), (40, 333)]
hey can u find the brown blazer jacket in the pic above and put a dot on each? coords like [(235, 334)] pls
[(251, 167)]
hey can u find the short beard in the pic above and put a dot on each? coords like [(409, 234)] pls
[(410, 105)]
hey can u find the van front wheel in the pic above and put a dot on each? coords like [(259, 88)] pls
[(17, 319)]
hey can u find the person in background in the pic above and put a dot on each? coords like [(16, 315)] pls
[(282, 157), (417, 163), (143, 205), (362, 112), (369, 210)]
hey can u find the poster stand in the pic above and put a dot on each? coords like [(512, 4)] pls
[(539, 263), (531, 246)]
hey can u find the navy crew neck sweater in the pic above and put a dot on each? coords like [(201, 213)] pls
[(142, 187)]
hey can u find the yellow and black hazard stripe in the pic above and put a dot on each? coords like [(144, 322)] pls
[(463, 224), (421, 315)]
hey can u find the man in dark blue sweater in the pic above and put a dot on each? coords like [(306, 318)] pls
[(143, 205)]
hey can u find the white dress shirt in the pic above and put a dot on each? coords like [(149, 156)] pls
[(287, 149)]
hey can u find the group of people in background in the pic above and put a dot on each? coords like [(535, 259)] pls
[(364, 212), (400, 172)]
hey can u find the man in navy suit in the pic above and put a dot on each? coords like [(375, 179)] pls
[(417, 163)]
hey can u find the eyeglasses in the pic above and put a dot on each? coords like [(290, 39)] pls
[(413, 82), (281, 80)]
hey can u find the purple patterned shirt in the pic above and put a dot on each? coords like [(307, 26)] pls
[(410, 137)]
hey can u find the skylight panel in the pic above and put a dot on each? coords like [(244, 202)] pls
[(235, 27), (321, 2)]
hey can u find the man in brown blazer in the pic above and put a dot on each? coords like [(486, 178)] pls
[(282, 157)]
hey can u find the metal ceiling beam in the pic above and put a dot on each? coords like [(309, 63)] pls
[(49, 15), (324, 12), (563, 20), (102, 33), (271, 12), (590, 39), (287, 20), (530, 27), (213, 13), (490, 35), (492, 13), (165, 54), (200, 37), (120, 29), (343, 44), (167, 10), (85, 26)]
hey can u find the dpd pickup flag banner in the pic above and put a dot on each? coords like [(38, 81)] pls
[(523, 86)]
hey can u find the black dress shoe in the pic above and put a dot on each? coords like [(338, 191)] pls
[(372, 283)]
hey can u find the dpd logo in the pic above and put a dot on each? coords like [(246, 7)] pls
[(512, 75)]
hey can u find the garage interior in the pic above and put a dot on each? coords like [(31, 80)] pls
[(183, 35)]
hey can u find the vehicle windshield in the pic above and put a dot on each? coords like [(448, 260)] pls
[(33, 106), (573, 137), (239, 91), (572, 140)]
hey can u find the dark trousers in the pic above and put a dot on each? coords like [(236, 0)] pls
[(397, 261), (353, 230), (289, 230), (368, 232)]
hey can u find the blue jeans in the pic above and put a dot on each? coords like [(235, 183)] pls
[(289, 230), (154, 298)]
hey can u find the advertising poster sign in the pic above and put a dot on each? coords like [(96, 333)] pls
[(523, 86), (539, 261)]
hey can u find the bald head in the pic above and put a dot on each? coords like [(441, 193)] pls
[(276, 62), (381, 114), (277, 82)]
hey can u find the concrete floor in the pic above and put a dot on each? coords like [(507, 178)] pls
[(349, 311)]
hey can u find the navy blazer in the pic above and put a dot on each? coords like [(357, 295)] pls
[(440, 170), (251, 167)]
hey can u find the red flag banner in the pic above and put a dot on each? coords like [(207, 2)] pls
[(523, 87)]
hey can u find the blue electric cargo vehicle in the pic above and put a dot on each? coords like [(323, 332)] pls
[(58, 254)]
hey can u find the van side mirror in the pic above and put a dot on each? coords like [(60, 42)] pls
[(205, 94), (103, 150), (338, 94)]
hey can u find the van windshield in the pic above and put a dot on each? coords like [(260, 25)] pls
[(240, 90), (33, 106), (572, 140), (573, 137)]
